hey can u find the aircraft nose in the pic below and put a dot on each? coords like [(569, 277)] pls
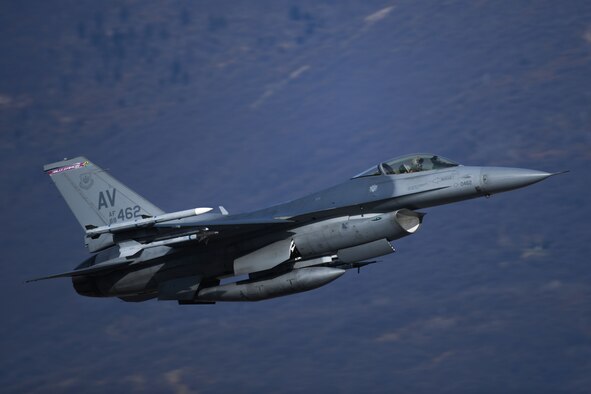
[(501, 179)]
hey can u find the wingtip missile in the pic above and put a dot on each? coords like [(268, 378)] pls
[(123, 226)]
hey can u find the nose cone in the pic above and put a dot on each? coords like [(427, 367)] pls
[(501, 179)]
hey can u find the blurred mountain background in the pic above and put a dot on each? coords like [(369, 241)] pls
[(247, 104)]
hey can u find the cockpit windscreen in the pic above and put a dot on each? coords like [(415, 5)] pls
[(409, 164)]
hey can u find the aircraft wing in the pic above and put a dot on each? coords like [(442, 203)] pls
[(224, 228), (230, 222), (220, 227), (190, 219), (134, 236)]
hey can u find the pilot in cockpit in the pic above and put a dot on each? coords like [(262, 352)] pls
[(416, 165)]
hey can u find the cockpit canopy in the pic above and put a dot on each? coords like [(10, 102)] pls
[(408, 164)]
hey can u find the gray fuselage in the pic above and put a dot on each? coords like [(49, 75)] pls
[(357, 197)]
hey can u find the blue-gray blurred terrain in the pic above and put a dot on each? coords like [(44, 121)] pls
[(247, 104)]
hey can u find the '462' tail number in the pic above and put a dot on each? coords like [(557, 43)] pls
[(125, 214)]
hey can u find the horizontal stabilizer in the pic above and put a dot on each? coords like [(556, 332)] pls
[(102, 268)]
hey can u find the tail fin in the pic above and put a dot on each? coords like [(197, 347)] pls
[(95, 197)]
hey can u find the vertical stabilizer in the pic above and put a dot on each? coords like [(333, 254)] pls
[(95, 197)]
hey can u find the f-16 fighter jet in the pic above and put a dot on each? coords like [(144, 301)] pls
[(142, 253)]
